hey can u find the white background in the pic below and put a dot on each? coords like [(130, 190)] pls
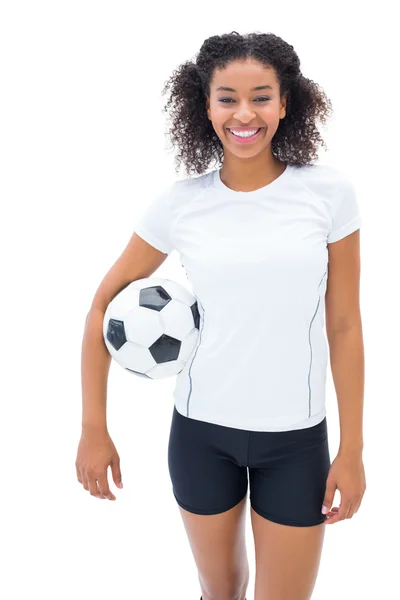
[(83, 153)]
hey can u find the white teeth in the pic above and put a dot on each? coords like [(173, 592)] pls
[(243, 134)]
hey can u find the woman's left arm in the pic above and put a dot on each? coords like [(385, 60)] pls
[(345, 338)]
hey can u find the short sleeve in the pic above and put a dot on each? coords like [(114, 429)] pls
[(154, 224), (346, 216)]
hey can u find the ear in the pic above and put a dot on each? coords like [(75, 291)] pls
[(282, 112)]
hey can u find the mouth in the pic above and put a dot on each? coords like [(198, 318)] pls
[(247, 139)]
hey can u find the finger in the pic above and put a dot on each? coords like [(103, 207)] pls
[(92, 482), (361, 499), (332, 520), (78, 474), (330, 489), (104, 489), (344, 509), (340, 514), (116, 471), (85, 482), (350, 511)]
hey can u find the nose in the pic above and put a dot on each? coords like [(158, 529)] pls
[(244, 114)]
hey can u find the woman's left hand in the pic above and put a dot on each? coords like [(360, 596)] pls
[(347, 474)]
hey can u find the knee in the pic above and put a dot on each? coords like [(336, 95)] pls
[(226, 592)]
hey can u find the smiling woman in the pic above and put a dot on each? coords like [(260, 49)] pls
[(253, 236), (244, 82)]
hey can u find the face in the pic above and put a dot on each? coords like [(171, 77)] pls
[(245, 108)]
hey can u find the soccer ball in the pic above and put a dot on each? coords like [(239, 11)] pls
[(151, 327)]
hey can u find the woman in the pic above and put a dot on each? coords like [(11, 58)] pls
[(268, 241)]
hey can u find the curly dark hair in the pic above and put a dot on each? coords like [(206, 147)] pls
[(297, 138)]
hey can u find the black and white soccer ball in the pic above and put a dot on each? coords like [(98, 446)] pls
[(151, 327)]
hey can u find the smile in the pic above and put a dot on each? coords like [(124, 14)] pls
[(247, 139)]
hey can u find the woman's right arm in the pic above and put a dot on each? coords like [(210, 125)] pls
[(96, 451), (138, 260), (95, 366)]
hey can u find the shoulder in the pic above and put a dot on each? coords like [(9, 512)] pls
[(322, 174), (185, 190), (330, 183)]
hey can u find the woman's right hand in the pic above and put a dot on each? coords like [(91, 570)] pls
[(96, 452)]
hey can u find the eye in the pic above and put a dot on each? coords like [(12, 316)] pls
[(262, 99)]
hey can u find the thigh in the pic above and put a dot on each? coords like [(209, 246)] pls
[(218, 544), (211, 491), (288, 475), (287, 491), (287, 559), (205, 475)]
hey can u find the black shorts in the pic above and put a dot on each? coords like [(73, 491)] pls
[(208, 466)]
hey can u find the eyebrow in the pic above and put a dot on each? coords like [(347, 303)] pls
[(259, 87)]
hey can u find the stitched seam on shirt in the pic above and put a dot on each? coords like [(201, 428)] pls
[(194, 356), (309, 339)]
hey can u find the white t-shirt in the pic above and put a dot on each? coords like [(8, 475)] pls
[(257, 263)]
